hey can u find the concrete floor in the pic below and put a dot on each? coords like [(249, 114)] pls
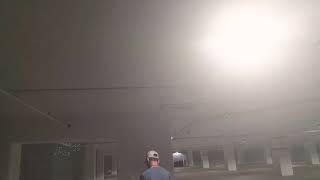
[(301, 173)]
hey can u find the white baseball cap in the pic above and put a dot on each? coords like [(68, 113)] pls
[(152, 154)]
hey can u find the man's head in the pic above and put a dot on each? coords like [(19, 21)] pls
[(152, 158)]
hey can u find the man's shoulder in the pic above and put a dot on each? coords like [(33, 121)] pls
[(146, 171), (157, 172), (150, 170), (164, 170)]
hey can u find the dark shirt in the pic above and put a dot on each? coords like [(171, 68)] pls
[(156, 173)]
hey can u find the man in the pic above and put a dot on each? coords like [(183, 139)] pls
[(154, 171)]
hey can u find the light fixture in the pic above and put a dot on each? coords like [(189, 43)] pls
[(176, 154), (247, 38), (312, 131)]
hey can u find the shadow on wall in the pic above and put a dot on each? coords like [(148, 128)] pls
[(3, 161)]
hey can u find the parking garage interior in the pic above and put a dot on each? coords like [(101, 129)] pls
[(221, 89)]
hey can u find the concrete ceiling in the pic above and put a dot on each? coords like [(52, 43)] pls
[(90, 61)]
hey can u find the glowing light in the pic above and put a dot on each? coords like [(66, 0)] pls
[(247, 38), (313, 131), (177, 154)]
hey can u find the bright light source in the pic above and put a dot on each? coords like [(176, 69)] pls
[(247, 38), (312, 131)]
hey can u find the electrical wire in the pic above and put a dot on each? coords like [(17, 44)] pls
[(34, 109)]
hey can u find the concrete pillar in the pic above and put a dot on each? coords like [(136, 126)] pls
[(285, 163), (211, 159), (205, 159), (100, 165), (229, 157), (268, 155), (14, 161), (114, 163), (190, 158), (89, 164), (282, 158), (312, 153), (184, 160), (240, 156)]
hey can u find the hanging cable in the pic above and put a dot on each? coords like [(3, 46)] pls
[(34, 109)]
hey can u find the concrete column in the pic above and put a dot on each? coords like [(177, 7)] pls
[(190, 158), (268, 155), (285, 163), (311, 153), (184, 160), (229, 157), (282, 158), (114, 163), (205, 159), (100, 165), (14, 161), (89, 166), (240, 156), (211, 159)]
